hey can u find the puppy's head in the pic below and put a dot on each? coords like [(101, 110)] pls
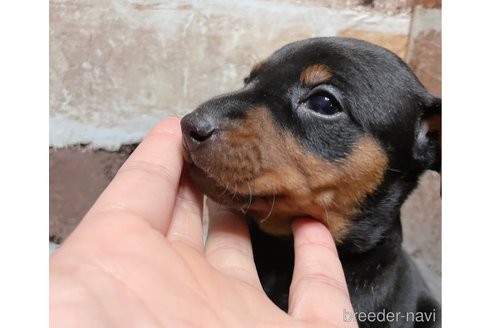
[(313, 132)]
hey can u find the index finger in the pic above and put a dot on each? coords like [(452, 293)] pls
[(147, 183), (318, 292)]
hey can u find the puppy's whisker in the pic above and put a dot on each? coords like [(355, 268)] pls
[(245, 209), (235, 190), (271, 210), (250, 199), (254, 58), (225, 190)]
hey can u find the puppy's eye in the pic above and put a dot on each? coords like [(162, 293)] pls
[(323, 104)]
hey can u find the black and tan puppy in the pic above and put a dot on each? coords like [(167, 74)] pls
[(336, 129)]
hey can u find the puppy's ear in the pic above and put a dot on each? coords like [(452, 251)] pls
[(427, 147)]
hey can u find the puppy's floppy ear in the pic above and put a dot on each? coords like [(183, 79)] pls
[(427, 147)]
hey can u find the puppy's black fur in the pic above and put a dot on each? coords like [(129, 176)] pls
[(348, 107)]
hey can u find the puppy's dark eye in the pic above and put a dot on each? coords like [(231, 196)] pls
[(323, 104)]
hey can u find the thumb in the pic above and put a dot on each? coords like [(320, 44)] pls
[(318, 292)]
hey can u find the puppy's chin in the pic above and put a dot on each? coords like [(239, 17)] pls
[(255, 207), (272, 213), (210, 187)]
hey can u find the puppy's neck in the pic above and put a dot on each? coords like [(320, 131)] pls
[(377, 227)]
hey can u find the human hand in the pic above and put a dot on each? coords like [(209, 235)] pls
[(138, 259)]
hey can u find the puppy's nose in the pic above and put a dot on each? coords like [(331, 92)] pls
[(196, 129)]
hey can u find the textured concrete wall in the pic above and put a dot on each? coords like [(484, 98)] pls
[(118, 67), (425, 45), (421, 213)]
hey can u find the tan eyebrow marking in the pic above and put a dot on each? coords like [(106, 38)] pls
[(257, 67), (315, 74)]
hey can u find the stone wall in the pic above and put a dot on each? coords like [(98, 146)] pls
[(118, 67)]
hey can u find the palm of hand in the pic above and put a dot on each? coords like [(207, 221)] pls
[(141, 261)]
